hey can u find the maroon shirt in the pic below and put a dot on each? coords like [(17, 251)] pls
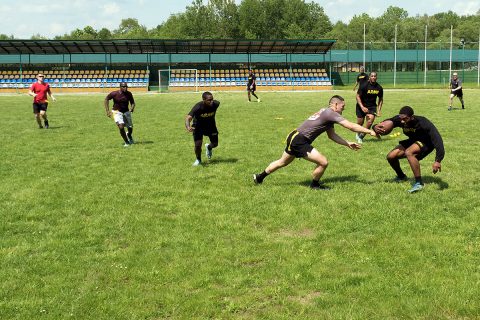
[(121, 100)]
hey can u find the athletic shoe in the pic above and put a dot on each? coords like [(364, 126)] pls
[(47, 126), (258, 100), (463, 107), (256, 179), (400, 179), (450, 108), (131, 141), (208, 152), (358, 138), (197, 163), (417, 186), (40, 127), (126, 145)]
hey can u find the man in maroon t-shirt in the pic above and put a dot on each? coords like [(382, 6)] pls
[(39, 90), (121, 114)]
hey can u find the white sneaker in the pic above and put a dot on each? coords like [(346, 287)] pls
[(197, 163), (359, 140), (208, 152), (258, 100), (126, 145)]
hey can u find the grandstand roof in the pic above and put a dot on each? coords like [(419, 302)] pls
[(163, 46)]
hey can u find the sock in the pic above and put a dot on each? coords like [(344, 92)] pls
[(419, 180), (361, 135), (124, 135), (262, 175), (46, 123), (315, 183)]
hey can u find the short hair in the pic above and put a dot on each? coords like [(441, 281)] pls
[(455, 74), (406, 110), (334, 98), (206, 94), (373, 72)]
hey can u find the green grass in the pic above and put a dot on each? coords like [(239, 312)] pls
[(92, 230)]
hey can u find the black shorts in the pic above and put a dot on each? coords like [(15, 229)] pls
[(252, 89), (39, 106), (458, 93), (298, 145), (361, 114), (424, 148), (211, 134)]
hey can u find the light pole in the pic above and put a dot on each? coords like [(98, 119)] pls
[(462, 43)]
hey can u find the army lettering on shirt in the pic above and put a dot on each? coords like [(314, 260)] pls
[(369, 92), (204, 116), (421, 129), (319, 122)]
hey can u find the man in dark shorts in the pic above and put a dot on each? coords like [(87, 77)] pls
[(361, 79), (423, 137), (456, 90), (201, 121), (299, 141), (252, 85), (367, 106), (39, 90), (122, 115)]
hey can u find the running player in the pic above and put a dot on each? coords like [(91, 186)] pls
[(361, 79), (39, 90), (299, 141), (201, 121), (252, 85), (121, 114), (367, 106)]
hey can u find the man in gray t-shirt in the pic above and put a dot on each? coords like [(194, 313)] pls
[(299, 141), (456, 90)]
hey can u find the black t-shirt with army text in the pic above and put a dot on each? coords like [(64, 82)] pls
[(204, 116), (369, 92), (421, 129)]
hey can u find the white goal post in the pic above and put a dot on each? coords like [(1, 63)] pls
[(184, 78)]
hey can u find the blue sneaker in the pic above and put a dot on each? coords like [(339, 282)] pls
[(208, 152), (417, 186)]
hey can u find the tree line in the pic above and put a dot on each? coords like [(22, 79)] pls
[(288, 19)]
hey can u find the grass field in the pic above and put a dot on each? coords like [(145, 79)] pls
[(92, 230)]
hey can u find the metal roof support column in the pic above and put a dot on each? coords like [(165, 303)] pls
[(210, 70), (105, 74)]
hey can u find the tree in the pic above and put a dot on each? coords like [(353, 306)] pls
[(130, 29)]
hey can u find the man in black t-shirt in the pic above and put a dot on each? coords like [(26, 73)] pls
[(361, 78), (252, 85), (367, 106), (201, 121), (423, 138), (121, 114)]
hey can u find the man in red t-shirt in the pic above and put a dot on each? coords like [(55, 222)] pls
[(39, 90), (120, 111)]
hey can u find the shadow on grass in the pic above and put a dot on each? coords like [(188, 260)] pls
[(335, 179), (220, 160), (143, 142), (55, 127), (436, 180)]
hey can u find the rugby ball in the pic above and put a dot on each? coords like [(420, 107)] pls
[(384, 127)]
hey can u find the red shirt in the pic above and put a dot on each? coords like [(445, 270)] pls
[(41, 89), (121, 100)]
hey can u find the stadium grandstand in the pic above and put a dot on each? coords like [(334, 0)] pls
[(168, 65)]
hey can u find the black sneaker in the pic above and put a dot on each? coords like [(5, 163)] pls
[(257, 179)]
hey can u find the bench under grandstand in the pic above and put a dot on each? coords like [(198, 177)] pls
[(267, 79), (86, 80)]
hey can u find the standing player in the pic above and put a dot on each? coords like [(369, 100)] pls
[(121, 114), (361, 79), (423, 137), (367, 106), (455, 90), (299, 141), (252, 85), (39, 90), (203, 124)]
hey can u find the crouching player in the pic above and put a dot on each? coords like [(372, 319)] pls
[(423, 137)]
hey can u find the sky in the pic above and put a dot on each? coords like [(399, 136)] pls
[(22, 18)]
